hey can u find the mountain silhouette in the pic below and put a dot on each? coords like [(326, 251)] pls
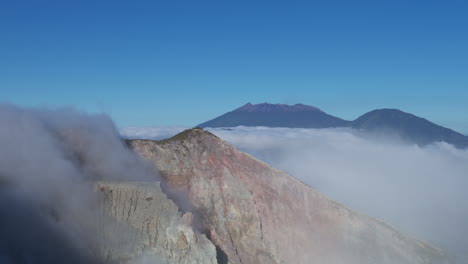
[(408, 127), (276, 115)]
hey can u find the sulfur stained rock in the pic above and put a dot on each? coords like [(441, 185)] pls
[(182, 241), (256, 214)]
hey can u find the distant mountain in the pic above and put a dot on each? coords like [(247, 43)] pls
[(276, 115), (381, 121), (409, 127)]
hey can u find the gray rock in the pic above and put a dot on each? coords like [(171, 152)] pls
[(155, 230)]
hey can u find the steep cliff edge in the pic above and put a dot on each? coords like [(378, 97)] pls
[(256, 214), (157, 230)]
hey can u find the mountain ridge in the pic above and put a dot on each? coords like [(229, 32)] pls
[(408, 127), (254, 213), (266, 107), (280, 115)]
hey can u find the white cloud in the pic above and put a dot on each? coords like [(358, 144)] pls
[(48, 211)]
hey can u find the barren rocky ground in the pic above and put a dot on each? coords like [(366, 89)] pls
[(253, 213)]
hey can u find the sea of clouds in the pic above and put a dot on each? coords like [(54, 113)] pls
[(420, 190)]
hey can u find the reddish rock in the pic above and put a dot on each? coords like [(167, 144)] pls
[(256, 214)]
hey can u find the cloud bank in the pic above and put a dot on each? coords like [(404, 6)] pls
[(419, 190), (48, 161)]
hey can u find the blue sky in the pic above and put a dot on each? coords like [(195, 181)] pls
[(154, 63)]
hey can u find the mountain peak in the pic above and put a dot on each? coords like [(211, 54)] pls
[(387, 116), (387, 111), (267, 107), (276, 115), (409, 127), (240, 203), (190, 134)]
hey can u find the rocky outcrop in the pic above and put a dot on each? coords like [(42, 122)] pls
[(256, 214), (155, 229)]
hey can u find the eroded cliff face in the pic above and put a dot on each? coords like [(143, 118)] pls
[(256, 214), (156, 232)]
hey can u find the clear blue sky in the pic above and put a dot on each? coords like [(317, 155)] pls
[(150, 63)]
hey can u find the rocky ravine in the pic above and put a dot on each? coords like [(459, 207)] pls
[(256, 214)]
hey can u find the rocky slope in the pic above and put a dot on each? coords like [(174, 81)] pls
[(256, 214), (158, 231)]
